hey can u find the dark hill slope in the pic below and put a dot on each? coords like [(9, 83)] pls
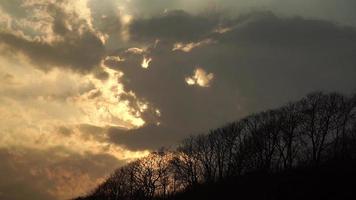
[(336, 181), (304, 150)]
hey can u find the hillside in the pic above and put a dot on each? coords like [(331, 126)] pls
[(330, 181), (304, 150)]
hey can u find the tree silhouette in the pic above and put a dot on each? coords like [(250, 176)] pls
[(319, 128)]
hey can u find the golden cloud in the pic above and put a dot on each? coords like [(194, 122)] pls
[(200, 78), (146, 62), (33, 104), (187, 47)]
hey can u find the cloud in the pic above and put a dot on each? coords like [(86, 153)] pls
[(51, 174), (170, 25), (53, 129), (135, 50), (67, 54), (336, 11), (151, 136), (67, 97), (264, 61), (200, 78), (75, 101), (187, 47), (46, 150), (111, 18), (146, 62), (60, 37)]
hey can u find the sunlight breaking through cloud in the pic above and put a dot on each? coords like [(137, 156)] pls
[(200, 78), (35, 103), (187, 47), (103, 105), (135, 50), (146, 62)]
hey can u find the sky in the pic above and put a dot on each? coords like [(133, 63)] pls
[(89, 85)]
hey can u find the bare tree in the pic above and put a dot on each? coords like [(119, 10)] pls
[(264, 130), (304, 132), (288, 144), (185, 163)]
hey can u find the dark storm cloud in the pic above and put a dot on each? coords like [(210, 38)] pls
[(262, 62), (149, 137), (339, 11), (80, 54), (79, 48), (171, 25)]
